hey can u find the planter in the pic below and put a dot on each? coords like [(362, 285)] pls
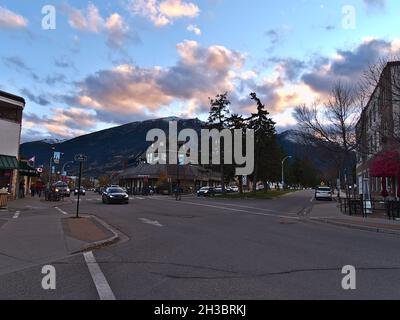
[(3, 200)]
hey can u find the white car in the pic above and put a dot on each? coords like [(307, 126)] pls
[(323, 193)]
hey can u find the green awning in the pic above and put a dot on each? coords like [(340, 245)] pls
[(26, 170), (8, 162)]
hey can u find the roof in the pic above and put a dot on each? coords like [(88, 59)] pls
[(189, 172), (12, 97), (8, 162), (26, 170)]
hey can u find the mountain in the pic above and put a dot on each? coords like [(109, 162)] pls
[(112, 149), (107, 150)]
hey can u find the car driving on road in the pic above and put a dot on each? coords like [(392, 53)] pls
[(62, 188), (82, 192), (206, 192), (323, 193), (115, 195)]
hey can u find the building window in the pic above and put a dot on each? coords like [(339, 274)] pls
[(10, 113)]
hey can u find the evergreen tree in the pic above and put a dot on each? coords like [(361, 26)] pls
[(264, 135), (218, 119)]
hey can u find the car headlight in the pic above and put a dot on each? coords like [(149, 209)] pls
[(111, 196), (126, 196), (68, 190), (57, 190)]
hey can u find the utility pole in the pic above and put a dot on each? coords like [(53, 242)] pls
[(81, 159)]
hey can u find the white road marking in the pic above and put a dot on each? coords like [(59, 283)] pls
[(100, 281), (153, 223), (16, 215), (247, 207), (61, 211), (140, 198), (240, 210)]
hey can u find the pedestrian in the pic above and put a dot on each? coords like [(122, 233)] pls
[(32, 190), (21, 190)]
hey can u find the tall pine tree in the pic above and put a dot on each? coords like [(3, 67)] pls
[(264, 135), (218, 119)]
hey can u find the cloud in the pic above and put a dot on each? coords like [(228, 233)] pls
[(196, 30), (63, 123), (38, 99), (348, 65), (11, 20), (131, 90), (373, 4), (17, 64), (162, 13), (114, 27)]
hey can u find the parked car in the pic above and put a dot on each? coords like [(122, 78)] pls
[(115, 195), (82, 191), (323, 193), (234, 189), (206, 192), (62, 188)]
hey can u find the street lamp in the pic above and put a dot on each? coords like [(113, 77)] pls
[(65, 164), (283, 163)]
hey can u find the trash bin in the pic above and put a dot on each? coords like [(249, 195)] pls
[(3, 200)]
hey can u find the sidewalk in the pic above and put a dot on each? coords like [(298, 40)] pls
[(31, 239), (35, 203), (330, 213)]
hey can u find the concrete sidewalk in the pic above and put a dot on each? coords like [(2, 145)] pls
[(28, 239), (33, 203), (329, 212)]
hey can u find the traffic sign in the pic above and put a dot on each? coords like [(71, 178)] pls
[(80, 158)]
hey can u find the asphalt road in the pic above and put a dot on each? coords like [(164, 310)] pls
[(219, 249)]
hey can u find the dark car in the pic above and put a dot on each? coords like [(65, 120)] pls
[(115, 195), (206, 192), (82, 192)]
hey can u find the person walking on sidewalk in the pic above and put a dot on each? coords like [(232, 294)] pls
[(21, 191), (33, 191)]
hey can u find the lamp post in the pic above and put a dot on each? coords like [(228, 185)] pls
[(65, 164), (283, 177), (53, 148), (178, 188)]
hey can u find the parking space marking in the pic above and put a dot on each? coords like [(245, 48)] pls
[(100, 281), (16, 215), (61, 211)]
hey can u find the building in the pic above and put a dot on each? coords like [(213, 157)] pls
[(163, 178), (378, 138), (11, 108)]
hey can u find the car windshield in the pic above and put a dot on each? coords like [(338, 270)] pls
[(324, 189), (61, 185), (116, 190), (205, 189)]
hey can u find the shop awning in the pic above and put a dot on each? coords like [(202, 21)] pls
[(26, 170), (8, 162), (386, 164)]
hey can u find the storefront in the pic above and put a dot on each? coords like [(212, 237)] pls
[(385, 174), (8, 173), (11, 109)]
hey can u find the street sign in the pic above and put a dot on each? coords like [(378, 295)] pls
[(80, 158), (56, 157)]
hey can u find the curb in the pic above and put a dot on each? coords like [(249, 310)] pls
[(102, 243), (356, 226)]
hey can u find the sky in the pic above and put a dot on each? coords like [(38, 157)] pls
[(84, 66)]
